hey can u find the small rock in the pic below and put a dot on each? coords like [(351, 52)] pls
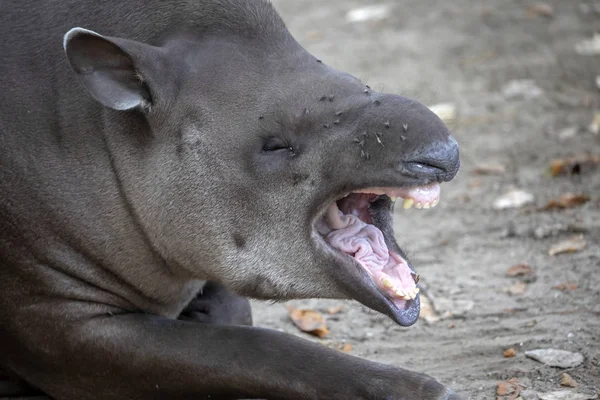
[(509, 353), (566, 395), (568, 133), (530, 395), (556, 358), (566, 380), (594, 127), (589, 47), (513, 199), (445, 111), (521, 88), (368, 13)]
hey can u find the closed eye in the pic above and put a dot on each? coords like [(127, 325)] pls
[(276, 144)]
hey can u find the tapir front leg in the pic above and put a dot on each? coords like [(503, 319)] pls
[(140, 356)]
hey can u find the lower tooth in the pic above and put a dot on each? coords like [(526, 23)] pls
[(408, 203), (386, 282)]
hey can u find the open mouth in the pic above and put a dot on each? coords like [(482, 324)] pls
[(359, 228)]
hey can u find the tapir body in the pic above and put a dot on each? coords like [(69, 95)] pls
[(162, 161)]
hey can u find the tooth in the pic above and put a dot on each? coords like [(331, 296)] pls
[(386, 282), (419, 205), (400, 293), (435, 202), (393, 198), (417, 290), (427, 205), (408, 203)]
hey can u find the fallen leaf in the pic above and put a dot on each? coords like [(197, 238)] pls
[(517, 289), (510, 388), (428, 313), (541, 10), (489, 169), (567, 200), (565, 286), (343, 347), (566, 380), (335, 310), (346, 348), (578, 164), (523, 270), (513, 199), (509, 353), (572, 245), (309, 321)]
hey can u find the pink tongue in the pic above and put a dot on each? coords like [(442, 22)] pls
[(366, 244)]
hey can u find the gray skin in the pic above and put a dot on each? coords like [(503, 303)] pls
[(156, 173)]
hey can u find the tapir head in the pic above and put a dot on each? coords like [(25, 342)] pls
[(249, 162)]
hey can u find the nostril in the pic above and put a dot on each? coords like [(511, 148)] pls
[(440, 160)]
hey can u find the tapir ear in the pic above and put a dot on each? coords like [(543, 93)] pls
[(109, 68)]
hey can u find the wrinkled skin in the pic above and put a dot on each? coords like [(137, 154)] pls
[(196, 141)]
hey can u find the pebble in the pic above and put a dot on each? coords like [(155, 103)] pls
[(556, 358)]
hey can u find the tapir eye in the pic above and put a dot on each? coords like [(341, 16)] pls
[(275, 144)]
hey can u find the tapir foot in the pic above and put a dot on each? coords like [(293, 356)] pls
[(217, 305)]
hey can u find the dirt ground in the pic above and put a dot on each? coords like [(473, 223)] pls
[(475, 54)]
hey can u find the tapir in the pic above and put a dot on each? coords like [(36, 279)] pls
[(163, 161)]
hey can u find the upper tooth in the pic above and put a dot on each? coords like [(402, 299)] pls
[(427, 205), (408, 203), (393, 198), (419, 205), (435, 202)]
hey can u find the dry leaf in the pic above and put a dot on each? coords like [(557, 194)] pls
[(428, 312), (510, 388), (335, 310), (339, 346), (541, 10), (309, 321), (489, 169), (566, 380), (346, 348), (567, 200), (508, 353), (574, 244), (565, 286), (522, 269), (574, 165), (517, 289)]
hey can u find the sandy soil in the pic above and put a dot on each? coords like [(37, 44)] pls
[(466, 52)]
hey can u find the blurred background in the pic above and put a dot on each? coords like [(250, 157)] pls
[(510, 258)]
